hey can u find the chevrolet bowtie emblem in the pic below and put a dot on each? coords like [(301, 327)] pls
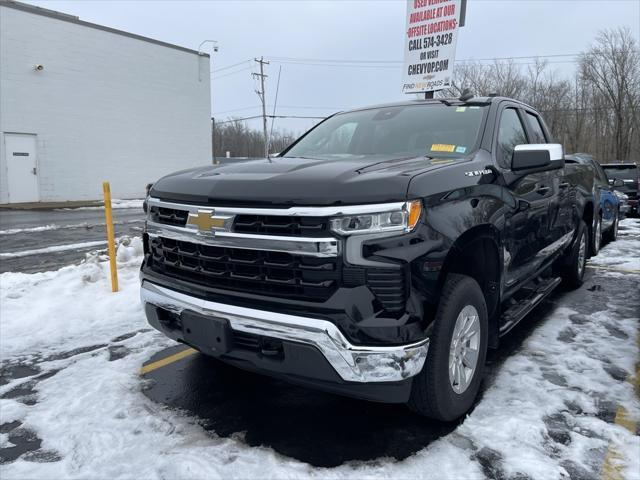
[(205, 221)]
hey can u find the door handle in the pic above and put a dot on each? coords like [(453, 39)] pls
[(564, 185), (34, 171), (542, 190)]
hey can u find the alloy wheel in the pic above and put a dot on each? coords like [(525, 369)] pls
[(464, 349), (582, 254)]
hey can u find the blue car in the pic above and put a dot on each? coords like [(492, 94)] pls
[(605, 221)]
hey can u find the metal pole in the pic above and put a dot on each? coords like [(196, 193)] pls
[(110, 236), (275, 103), (264, 110), (262, 96), (213, 139)]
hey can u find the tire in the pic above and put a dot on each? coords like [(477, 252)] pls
[(573, 272), (596, 238), (433, 392), (611, 235)]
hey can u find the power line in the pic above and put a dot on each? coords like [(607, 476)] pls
[(395, 67), (218, 77), (296, 107), (270, 116), (397, 62), (230, 66), (333, 60)]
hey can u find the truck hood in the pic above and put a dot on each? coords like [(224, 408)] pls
[(284, 181)]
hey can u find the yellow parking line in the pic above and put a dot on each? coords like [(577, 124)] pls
[(150, 367), (613, 269), (613, 461)]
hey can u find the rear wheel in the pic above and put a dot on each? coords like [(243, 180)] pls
[(449, 382), (573, 271), (596, 239), (612, 234)]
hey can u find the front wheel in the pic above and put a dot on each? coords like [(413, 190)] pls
[(449, 382)]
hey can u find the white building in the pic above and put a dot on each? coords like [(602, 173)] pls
[(81, 103)]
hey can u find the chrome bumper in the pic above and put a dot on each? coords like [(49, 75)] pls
[(354, 363)]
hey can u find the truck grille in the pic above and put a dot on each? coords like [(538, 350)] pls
[(281, 225), (251, 271), (168, 216), (252, 224)]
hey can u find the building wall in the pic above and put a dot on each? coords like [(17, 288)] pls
[(105, 107)]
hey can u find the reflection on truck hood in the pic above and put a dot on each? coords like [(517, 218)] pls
[(296, 181)]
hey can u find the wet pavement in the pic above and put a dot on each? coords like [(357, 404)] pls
[(26, 232)]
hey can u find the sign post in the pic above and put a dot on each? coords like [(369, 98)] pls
[(430, 44)]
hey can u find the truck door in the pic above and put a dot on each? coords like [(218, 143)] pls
[(560, 189), (528, 228)]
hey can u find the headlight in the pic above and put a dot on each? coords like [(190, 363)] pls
[(404, 219)]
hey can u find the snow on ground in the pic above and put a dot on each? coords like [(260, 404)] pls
[(115, 203), (624, 253), (540, 417), (55, 226), (55, 248)]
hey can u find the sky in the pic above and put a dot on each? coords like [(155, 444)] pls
[(336, 30)]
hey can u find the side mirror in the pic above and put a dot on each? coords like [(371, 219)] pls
[(537, 157), (618, 183)]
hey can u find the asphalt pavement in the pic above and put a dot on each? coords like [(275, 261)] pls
[(40, 240)]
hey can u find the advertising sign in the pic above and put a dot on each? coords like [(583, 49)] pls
[(430, 44)]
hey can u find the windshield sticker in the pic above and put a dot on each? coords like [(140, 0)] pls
[(439, 161), (461, 149), (474, 108), (460, 109), (442, 147)]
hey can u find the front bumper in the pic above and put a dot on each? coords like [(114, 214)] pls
[(352, 363)]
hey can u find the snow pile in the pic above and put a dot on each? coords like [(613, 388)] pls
[(545, 414), (624, 253)]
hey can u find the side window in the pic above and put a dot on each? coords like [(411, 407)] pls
[(510, 133), (536, 129)]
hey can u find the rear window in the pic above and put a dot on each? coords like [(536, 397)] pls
[(621, 172)]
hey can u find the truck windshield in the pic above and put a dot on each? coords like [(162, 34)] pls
[(622, 172), (395, 132)]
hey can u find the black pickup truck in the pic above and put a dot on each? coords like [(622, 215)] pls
[(379, 256)]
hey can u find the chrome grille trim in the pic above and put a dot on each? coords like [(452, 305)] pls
[(291, 211), (317, 247)]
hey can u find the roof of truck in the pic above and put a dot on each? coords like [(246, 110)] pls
[(437, 101)]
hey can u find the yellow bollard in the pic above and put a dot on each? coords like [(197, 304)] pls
[(110, 236)]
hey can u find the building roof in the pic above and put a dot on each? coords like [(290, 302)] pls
[(45, 12)]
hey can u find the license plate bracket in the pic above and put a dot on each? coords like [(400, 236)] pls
[(209, 334)]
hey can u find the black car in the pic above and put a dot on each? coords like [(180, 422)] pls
[(629, 174), (378, 256)]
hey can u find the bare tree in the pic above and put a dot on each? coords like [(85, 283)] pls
[(235, 137), (612, 67)]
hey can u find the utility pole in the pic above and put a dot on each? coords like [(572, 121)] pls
[(261, 94)]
